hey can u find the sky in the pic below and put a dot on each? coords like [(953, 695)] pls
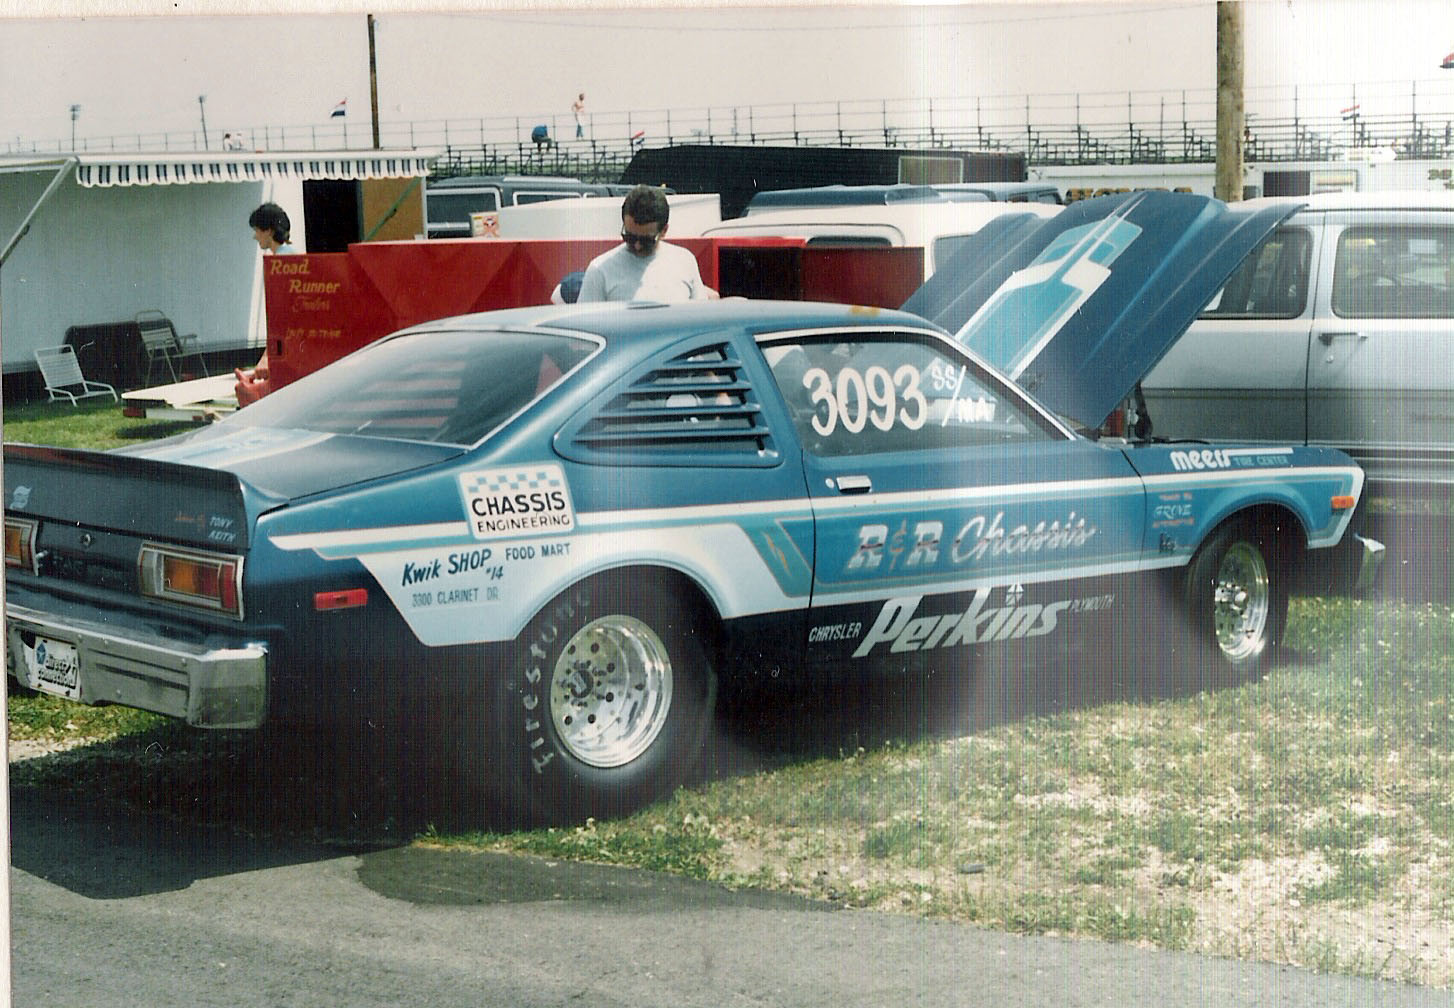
[(142, 72)]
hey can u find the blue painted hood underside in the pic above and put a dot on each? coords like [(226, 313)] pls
[(1078, 307)]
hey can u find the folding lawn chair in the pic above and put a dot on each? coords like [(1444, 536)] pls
[(159, 340), (62, 373)]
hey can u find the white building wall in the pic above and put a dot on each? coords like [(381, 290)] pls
[(103, 254)]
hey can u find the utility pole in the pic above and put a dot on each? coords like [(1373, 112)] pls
[(373, 83), (202, 107), (75, 114), (1231, 118)]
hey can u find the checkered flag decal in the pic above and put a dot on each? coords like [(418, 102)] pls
[(505, 481)]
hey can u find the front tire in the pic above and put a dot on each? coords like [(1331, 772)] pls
[(606, 702), (1236, 594)]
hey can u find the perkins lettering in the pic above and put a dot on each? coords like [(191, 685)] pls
[(899, 627)]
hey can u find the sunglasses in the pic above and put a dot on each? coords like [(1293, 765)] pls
[(644, 241)]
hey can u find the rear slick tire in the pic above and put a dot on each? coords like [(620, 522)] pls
[(1236, 596), (606, 703)]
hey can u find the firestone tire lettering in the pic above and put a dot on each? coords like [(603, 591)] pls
[(606, 703)]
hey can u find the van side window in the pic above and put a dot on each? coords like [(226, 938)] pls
[(1272, 281), (1392, 271)]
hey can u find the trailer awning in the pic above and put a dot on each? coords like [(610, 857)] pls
[(183, 169), (99, 171)]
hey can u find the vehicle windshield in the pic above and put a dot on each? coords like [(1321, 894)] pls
[(444, 387)]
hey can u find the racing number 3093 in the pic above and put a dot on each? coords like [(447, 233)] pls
[(874, 396)]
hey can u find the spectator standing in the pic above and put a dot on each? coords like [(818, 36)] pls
[(272, 230), (643, 267), (578, 109)]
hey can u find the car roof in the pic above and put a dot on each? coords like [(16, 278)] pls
[(1395, 199), (919, 223), (841, 195), (649, 324), (1001, 190)]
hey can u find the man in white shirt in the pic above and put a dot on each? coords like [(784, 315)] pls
[(642, 267)]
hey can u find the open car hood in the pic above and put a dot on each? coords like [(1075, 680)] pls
[(1078, 307)]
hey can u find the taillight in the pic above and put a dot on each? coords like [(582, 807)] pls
[(20, 543), (205, 580)]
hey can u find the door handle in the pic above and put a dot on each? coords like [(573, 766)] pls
[(853, 484), (1327, 338)]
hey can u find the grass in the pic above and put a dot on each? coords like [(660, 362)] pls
[(36, 717), (1305, 818), (92, 424)]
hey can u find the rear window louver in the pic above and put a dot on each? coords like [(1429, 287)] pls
[(699, 408)]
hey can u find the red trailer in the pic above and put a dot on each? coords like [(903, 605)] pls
[(320, 307)]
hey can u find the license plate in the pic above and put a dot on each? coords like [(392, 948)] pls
[(54, 667)]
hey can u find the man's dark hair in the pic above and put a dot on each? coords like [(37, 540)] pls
[(271, 217), (646, 205)]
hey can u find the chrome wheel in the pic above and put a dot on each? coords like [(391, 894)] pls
[(1241, 602), (610, 691)]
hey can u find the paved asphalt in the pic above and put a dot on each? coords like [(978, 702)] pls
[(114, 908)]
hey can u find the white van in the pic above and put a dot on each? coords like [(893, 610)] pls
[(930, 226)]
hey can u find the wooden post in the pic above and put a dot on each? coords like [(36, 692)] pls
[(1231, 119), (373, 83)]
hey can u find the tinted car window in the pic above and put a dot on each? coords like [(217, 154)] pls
[(448, 206), (849, 241), (1393, 271), (1272, 281), (893, 393), (449, 387)]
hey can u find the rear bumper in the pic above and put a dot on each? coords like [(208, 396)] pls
[(209, 687)]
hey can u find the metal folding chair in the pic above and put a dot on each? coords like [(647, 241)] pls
[(160, 341), (61, 370)]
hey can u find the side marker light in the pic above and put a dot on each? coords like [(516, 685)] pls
[(351, 598)]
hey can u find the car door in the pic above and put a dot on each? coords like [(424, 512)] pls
[(1241, 369), (1381, 355), (949, 510)]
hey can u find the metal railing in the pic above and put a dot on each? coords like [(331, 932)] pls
[(1323, 122)]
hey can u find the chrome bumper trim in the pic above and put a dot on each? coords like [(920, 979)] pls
[(1368, 563), (208, 687)]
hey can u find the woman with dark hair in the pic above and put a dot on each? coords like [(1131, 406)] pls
[(271, 230)]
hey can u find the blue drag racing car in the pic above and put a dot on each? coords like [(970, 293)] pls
[(564, 523)]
